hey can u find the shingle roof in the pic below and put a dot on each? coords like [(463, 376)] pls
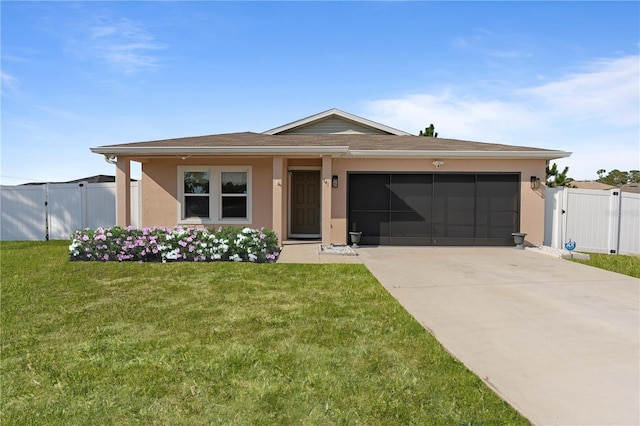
[(385, 145)]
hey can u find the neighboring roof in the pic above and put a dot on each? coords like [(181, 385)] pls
[(631, 187), (313, 125), (90, 179), (339, 145), (589, 184)]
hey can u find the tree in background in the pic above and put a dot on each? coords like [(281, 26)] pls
[(555, 178), (429, 132), (618, 178)]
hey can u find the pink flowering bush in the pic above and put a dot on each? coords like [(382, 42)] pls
[(160, 244)]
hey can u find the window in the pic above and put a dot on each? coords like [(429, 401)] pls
[(196, 194), (233, 199), (214, 194)]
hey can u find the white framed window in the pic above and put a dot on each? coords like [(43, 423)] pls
[(214, 194)]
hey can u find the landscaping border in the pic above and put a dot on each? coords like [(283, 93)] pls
[(159, 244)]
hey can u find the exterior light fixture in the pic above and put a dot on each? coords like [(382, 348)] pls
[(535, 182), (334, 181)]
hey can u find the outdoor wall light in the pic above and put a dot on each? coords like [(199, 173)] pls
[(334, 181), (535, 182)]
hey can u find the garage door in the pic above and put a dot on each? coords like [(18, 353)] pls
[(460, 209)]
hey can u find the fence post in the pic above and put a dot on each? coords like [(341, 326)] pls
[(564, 214), (614, 221), (84, 206), (46, 212)]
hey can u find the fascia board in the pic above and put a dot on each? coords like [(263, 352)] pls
[(235, 150), (546, 155), (327, 150)]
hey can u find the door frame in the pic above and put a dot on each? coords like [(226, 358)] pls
[(290, 172)]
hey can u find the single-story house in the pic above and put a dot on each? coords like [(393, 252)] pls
[(334, 172)]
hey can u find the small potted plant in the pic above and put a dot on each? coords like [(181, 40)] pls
[(518, 239), (355, 238)]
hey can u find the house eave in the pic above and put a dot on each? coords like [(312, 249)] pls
[(217, 150), (463, 155), (335, 151)]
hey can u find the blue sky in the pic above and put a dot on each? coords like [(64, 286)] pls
[(75, 75)]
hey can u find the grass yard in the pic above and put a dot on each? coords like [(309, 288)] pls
[(220, 343), (627, 265)]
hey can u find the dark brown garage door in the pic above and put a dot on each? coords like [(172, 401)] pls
[(460, 209)]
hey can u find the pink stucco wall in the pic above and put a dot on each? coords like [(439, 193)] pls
[(160, 190), (159, 187), (532, 202)]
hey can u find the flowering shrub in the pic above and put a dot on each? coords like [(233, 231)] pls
[(160, 244)]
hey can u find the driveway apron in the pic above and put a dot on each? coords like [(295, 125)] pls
[(557, 340)]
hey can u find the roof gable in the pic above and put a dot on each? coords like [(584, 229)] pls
[(335, 121)]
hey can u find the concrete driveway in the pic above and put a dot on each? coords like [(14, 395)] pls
[(557, 340)]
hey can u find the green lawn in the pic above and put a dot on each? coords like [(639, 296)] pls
[(627, 265), (220, 343)]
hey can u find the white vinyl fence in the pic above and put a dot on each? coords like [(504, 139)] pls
[(54, 211), (599, 221)]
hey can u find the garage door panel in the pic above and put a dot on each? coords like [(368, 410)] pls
[(453, 224), (411, 192), (496, 203), (370, 223), (410, 224), (454, 192), (497, 192), (434, 208), (496, 224), (369, 192)]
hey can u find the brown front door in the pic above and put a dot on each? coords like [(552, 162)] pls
[(305, 203)]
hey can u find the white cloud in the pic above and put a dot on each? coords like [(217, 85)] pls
[(595, 114), (609, 91), (454, 116), (122, 43), (7, 81)]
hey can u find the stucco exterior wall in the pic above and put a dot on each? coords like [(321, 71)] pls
[(160, 179), (532, 202), (160, 188)]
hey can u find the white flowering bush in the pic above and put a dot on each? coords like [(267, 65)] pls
[(160, 244)]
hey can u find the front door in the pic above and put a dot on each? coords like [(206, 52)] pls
[(305, 204)]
